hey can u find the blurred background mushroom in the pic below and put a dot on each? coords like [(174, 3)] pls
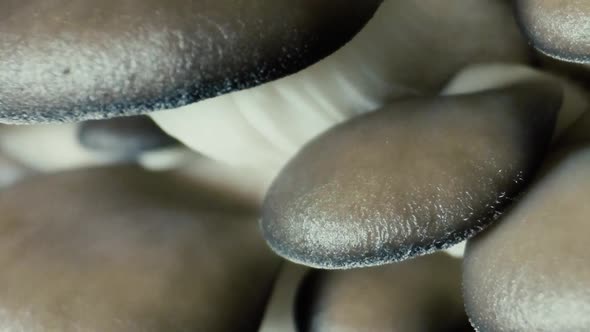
[(124, 249), (127, 137), (421, 295)]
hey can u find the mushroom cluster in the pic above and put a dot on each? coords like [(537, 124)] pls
[(294, 166)]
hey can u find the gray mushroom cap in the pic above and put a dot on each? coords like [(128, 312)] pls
[(531, 271), (419, 175), (69, 61), (123, 249), (560, 29)]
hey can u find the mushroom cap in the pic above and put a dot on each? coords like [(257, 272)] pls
[(125, 136), (560, 29), (124, 249), (530, 272), (69, 61), (419, 175), (419, 295)]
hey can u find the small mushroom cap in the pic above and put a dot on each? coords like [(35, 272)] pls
[(419, 175), (420, 295), (560, 29), (68, 61), (122, 249), (531, 271), (125, 136)]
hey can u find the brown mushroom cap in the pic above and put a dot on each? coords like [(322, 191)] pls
[(123, 249), (420, 295), (560, 29), (76, 60), (419, 175)]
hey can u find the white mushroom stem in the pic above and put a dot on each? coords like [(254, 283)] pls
[(165, 159), (280, 311)]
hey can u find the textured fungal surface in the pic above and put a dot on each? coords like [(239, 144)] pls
[(531, 271), (416, 176), (560, 29), (419, 295), (294, 165), (123, 249), (76, 60)]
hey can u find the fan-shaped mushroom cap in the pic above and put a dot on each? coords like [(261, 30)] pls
[(69, 61), (419, 175)]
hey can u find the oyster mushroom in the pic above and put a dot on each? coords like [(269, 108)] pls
[(530, 272), (559, 29), (69, 61), (418, 175), (124, 249)]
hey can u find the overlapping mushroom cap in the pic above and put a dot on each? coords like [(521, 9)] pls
[(531, 272), (75, 60), (560, 29), (418, 175)]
